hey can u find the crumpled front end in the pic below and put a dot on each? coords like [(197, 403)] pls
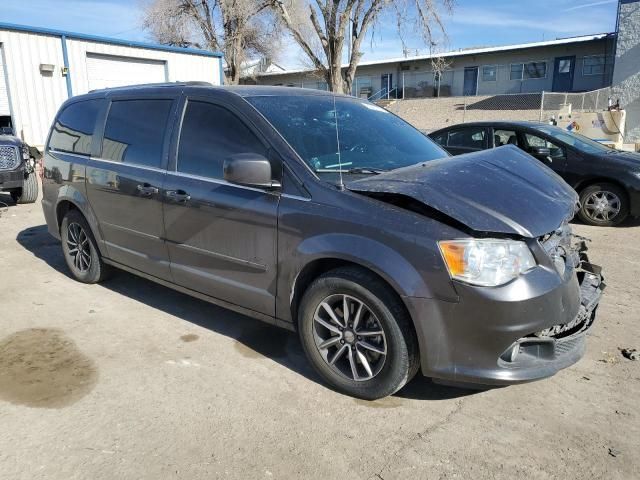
[(525, 330)]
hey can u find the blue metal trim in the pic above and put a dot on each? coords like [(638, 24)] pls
[(221, 67), (65, 60), (113, 41)]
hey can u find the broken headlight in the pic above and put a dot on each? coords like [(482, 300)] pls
[(486, 262)]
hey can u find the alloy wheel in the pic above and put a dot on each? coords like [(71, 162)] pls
[(349, 337), (602, 206), (79, 247)]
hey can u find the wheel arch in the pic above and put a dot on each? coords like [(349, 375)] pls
[(71, 199), (579, 187), (314, 269)]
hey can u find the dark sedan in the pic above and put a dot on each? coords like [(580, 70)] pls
[(607, 180)]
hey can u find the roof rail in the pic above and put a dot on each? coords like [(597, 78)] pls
[(193, 83)]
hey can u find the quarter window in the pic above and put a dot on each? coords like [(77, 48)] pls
[(73, 129), (210, 134), (489, 73), (135, 130)]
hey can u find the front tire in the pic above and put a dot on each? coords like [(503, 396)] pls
[(29, 191), (357, 334), (80, 249), (603, 205)]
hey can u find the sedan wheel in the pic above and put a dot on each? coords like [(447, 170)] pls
[(603, 204)]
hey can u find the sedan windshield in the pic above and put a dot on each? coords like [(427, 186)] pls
[(345, 134), (580, 142)]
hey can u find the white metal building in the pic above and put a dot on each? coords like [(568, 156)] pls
[(41, 68)]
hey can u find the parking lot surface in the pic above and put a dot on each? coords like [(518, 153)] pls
[(128, 379)]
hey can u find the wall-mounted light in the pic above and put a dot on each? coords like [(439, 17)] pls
[(47, 68)]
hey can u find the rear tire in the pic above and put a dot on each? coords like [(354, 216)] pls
[(81, 250), (362, 369), (29, 191), (603, 205)]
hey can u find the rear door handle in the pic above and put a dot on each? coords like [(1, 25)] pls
[(178, 195), (147, 190)]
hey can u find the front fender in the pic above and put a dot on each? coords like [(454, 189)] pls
[(373, 255)]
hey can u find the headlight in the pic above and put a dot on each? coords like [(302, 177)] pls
[(486, 262)]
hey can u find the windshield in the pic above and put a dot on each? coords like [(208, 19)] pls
[(576, 140), (369, 139)]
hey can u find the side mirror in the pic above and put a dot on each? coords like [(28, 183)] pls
[(250, 169), (543, 153)]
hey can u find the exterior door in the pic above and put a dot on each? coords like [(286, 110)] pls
[(124, 184), (470, 81), (386, 82), (221, 236), (563, 74)]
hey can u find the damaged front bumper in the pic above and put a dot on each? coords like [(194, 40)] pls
[(523, 331)]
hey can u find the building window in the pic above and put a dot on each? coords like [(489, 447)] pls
[(516, 71), (523, 71), (489, 73), (594, 65), (535, 70)]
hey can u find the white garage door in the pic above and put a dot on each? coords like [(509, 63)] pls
[(106, 71), (4, 91)]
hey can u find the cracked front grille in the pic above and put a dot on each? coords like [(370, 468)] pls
[(9, 158)]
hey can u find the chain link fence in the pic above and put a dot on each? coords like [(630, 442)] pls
[(433, 113)]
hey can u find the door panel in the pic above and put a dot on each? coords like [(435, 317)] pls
[(130, 219), (563, 74), (222, 241)]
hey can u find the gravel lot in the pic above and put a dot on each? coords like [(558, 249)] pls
[(129, 379)]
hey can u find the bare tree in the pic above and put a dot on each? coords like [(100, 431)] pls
[(439, 65), (241, 29), (332, 24)]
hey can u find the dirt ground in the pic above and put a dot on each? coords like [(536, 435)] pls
[(129, 379)]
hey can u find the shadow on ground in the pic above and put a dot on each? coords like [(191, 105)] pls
[(254, 338)]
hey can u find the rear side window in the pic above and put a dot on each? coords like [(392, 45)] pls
[(135, 130), (73, 130), (468, 138), (209, 135)]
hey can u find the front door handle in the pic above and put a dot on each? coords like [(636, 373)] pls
[(178, 195), (147, 190)]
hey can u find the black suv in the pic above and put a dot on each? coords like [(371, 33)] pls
[(330, 216), (17, 168), (607, 180)]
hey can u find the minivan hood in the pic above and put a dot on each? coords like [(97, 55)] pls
[(503, 190)]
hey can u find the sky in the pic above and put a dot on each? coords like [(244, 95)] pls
[(473, 23)]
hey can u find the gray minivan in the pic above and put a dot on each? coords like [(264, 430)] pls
[(331, 216)]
